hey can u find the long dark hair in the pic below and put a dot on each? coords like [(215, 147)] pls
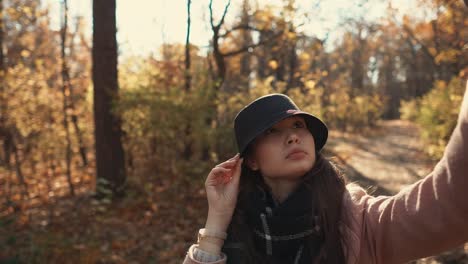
[(326, 185)]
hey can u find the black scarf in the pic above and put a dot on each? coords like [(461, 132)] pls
[(284, 233)]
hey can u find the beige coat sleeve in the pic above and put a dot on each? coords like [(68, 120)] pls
[(423, 219)]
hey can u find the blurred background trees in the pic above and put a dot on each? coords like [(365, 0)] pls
[(360, 78), (175, 107)]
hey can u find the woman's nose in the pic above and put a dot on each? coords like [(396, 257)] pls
[(293, 138)]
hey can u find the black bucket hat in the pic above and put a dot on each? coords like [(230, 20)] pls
[(266, 111)]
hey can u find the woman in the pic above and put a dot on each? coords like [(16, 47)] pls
[(281, 201)]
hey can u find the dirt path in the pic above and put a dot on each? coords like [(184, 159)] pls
[(386, 160)]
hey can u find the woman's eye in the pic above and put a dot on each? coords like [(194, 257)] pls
[(270, 130), (299, 124)]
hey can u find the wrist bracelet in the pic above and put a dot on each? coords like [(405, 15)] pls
[(211, 233), (212, 240)]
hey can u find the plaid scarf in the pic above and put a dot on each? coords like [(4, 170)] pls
[(282, 233)]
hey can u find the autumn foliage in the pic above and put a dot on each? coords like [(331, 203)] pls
[(399, 66)]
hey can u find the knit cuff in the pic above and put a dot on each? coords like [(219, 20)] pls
[(205, 257)]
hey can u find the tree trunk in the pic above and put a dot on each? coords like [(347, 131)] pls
[(65, 91), (293, 65), (110, 166), (218, 56), (2, 64), (3, 129), (357, 71), (19, 173), (188, 148), (188, 76), (73, 113), (246, 36)]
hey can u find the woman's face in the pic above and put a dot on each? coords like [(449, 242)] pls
[(284, 151)]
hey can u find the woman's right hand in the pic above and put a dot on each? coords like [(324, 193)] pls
[(222, 188)]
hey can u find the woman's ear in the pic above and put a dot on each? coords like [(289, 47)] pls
[(251, 163)]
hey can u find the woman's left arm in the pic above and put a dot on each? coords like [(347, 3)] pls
[(427, 217)]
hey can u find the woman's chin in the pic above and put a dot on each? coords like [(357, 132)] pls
[(297, 173), (302, 168)]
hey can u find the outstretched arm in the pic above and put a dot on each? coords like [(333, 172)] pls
[(425, 218)]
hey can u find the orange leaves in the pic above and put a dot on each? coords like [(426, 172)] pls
[(432, 51), (407, 20), (449, 55)]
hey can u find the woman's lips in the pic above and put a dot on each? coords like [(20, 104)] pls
[(296, 155)]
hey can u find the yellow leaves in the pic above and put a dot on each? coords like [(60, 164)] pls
[(359, 100), (39, 63), (304, 56), (436, 113), (27, 10), (440, 84), (456, 98), (262, 15), (310, 102), (408, 110), (264, 19), (291, 35), (273, 64), (23, 11), (346, 112), (25, 53), (310, 84), (449, 29), (448, 14), (13, 13)]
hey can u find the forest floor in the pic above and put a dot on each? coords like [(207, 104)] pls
[(159, 218)]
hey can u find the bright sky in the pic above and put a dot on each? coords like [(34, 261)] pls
[(143, 25)]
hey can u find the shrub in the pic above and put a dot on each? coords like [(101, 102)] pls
[(436, 113)]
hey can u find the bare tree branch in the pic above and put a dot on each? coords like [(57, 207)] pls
[(244, 49), (211, 14), (221, 21), (216, 51), (239, 27)]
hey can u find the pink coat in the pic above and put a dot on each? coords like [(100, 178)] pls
[(421, 220)]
